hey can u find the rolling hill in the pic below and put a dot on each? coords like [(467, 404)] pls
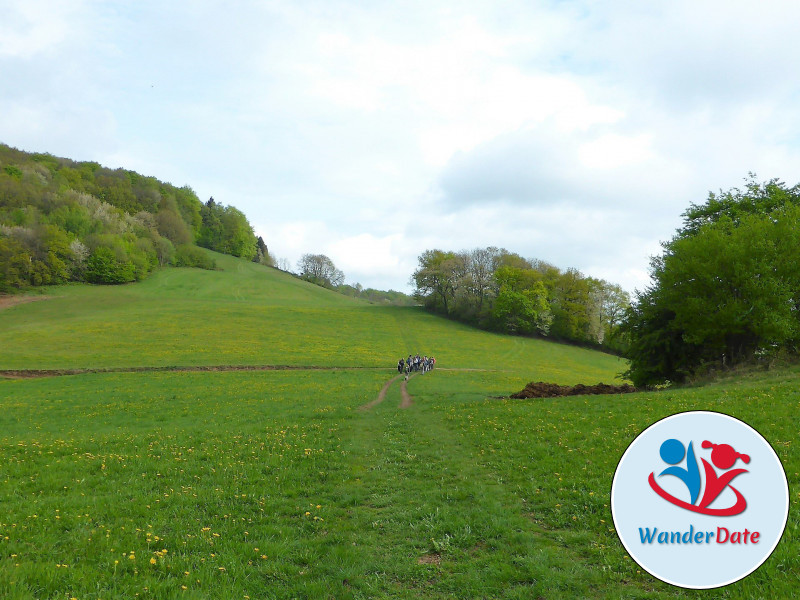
[(297, 483), (247, 314)]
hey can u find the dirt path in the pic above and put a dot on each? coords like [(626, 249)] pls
[(381, 395), (32, 373), (407, 400), (9, 301)]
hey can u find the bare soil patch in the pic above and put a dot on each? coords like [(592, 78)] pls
[(430, 559), (9, 301), (540, 389)]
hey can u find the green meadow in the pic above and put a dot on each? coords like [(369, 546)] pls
[(279, 484), (252, 315)]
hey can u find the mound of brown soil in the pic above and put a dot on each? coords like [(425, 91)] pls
[(540, 389)]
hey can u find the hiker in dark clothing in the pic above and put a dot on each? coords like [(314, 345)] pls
[(400, 364)]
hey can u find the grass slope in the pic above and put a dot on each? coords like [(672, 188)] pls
[(250, 315), (277, 485)]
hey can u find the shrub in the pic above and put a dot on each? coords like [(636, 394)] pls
[(104, 266), (192, 256)]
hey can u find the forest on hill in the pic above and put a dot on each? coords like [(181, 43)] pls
[(725, 291), (62, 220), (502, 291)]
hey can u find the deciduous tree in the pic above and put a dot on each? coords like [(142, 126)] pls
[(319, 269)]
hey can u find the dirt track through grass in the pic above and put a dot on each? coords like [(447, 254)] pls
[(34, 373), (381, 395), (407, 401)]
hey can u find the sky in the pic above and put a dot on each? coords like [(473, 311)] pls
[(574, 132)]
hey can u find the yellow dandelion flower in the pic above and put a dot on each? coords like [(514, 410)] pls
[(152, 561)]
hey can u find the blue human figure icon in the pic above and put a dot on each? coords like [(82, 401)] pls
[(672, 452)]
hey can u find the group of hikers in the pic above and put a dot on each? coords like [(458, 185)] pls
[(415, 363)]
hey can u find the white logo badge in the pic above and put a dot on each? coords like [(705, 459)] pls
[(700, 500)]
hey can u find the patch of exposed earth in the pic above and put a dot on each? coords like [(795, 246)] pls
[(540, 389), (7, 301)]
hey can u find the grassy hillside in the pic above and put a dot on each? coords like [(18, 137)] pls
[(251, 315), (278, 484)]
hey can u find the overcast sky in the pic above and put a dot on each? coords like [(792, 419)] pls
[(575, 132)]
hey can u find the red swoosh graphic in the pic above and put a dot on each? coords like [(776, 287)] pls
[(737, 508)]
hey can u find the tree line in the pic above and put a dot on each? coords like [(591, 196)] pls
[(62, 220), (502, 291), (725, 290)]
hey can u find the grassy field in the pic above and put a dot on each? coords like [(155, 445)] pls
[(251, 315), (277, 484)]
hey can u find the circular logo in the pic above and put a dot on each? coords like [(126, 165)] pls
[(700, 500)]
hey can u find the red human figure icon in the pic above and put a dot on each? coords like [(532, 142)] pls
[(724, 457)]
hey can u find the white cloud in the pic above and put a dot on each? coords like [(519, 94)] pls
[(366, 255), (32, 27), (574, 132), (611, 151), (293, 239)]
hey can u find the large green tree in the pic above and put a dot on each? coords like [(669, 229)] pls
[(726, 288), (438, 278), (225, 229), (521, 305)]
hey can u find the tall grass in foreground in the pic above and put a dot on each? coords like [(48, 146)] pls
[(275, 485)]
